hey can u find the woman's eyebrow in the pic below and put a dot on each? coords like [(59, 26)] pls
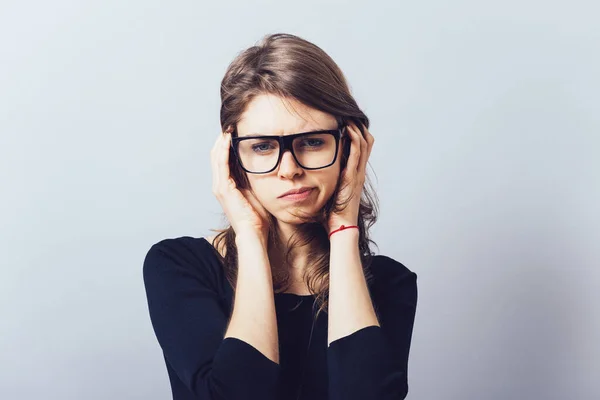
[(308, 131)]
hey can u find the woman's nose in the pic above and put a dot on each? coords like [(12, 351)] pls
[(288, 166)]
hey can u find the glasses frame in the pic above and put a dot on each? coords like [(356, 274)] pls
[(285, 143)]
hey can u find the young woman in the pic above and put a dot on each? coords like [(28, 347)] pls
[(288, 302)]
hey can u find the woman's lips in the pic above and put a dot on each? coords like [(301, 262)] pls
[(298, 196)]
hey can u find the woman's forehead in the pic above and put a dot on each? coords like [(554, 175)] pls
[(270, 115)]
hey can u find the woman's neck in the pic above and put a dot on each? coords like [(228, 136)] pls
[(297, 260)]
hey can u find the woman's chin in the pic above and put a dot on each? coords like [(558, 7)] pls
[(297, 216)]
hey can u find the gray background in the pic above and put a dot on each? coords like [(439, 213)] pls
[(487, 158)]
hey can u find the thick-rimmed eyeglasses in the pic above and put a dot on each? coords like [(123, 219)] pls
[(311, 150)]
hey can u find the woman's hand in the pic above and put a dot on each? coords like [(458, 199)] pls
[(243, 210), (353, 177)]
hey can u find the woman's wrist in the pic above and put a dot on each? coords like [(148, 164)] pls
[(250, 237), (336, 230)]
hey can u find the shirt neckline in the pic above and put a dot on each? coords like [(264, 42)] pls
[(304, 296), (280, 294)]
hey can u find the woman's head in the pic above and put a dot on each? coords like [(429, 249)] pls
[(271, 172), (286, 85), (281, 86)]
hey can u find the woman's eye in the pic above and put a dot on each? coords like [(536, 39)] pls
[(312, 142), (261, 147)]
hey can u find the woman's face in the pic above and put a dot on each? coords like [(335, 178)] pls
[(267, 115)]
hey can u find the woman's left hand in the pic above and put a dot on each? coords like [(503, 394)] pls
[(353, 177)]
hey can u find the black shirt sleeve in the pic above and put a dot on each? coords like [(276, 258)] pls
[(372, 363), (190, 324)]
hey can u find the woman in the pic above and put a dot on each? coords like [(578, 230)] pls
[(288, 302)]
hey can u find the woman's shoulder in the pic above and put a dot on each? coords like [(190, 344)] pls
[(183, 255), (385, 267), (391, 276)]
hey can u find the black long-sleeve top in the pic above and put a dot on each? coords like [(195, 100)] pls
[(190, 302)]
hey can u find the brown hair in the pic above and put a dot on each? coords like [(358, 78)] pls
[(293, 68)]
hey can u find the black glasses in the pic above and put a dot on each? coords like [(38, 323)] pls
[(311, 150)]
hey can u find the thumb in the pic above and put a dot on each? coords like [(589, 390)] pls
[(257, 205)]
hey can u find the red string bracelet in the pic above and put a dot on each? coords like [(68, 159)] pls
[(341, 228)]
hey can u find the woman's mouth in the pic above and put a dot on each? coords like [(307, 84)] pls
[(298, 196)]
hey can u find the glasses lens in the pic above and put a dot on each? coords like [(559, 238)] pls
[(314, 150), (258, 155)]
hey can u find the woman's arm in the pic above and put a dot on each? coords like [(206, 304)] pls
[(190, 323), (253, 319), (368, 356), (350, 306)]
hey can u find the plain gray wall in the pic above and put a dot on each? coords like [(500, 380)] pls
[(487, 169)]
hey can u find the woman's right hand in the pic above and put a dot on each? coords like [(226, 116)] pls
[(243, 210)]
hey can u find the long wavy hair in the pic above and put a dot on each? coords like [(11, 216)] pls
[(293, 68)]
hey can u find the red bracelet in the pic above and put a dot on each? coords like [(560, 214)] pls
[(341, 228)]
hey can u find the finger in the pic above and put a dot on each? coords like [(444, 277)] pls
[(225, 174), (369, 138), (354, 157), (366, 146), (215, 146), (256, 204), (220, 162), (214, 164)]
